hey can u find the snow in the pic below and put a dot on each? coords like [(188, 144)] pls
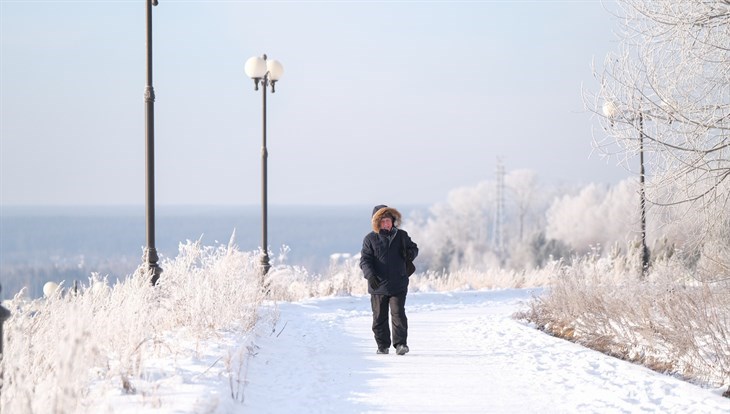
[(468, 355)]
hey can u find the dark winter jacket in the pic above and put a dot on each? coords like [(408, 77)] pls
[(383, 255)]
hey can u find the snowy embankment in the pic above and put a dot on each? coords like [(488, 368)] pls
[(205, 341), (468, 355)]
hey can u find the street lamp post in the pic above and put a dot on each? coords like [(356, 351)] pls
[(150, 257), (266, 72), (642, 195), (611, 112)]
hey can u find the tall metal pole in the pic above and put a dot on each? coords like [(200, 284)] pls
[(644, 249), (150, 257), (265, 266)]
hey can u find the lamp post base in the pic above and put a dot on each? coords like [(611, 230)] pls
[(645, 256), (265, 265), (151, 267)]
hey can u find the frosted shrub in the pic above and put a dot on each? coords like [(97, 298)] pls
[(294, 283), (668, 321), (467, 279), (289, 283), (208, 288), (346, 278), (714, 262), (56, 347)]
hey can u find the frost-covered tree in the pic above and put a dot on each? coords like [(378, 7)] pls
[(665, 94), (461, 224), (457, 233), (597, 215)]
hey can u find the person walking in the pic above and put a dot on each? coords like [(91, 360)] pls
[(383, 262)]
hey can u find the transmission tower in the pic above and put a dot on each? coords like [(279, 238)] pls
[(498, 236)]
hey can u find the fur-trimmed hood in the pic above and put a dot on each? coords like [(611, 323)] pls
[(381, 211)]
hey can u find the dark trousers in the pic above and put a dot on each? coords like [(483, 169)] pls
[(399, 321)]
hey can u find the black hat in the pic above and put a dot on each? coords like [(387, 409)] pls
[(378, 207)]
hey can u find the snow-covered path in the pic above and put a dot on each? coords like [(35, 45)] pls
[(467, 356)]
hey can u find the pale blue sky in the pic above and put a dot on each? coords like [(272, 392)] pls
[(381, 102)]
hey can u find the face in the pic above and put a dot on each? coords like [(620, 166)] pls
[(386, 223)]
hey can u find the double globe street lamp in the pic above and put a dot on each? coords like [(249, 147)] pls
[(265, 72)]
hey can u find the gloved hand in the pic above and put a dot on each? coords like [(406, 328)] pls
[(373, 283)]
